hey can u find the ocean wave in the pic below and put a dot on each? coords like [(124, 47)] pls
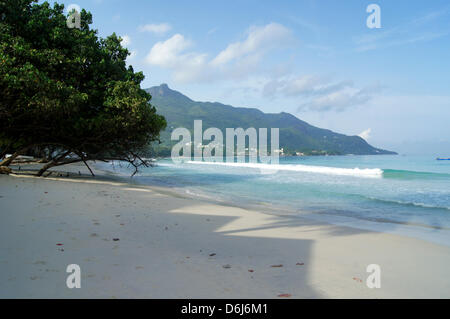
[(405, 203), (359, 172), (405, 174)]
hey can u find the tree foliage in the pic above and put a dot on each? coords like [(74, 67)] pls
[(66, 92)]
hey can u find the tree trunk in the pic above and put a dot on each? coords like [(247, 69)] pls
[(8, 161), (5, 170), (45, 167)]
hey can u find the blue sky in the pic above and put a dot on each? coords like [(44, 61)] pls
[(315, 59)]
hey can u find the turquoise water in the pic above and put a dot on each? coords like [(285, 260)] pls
[(400, 194)]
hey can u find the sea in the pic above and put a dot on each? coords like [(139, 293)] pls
[(399, 194)]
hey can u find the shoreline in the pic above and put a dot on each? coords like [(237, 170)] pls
[(174, 246), (416, 230), (379, 226)]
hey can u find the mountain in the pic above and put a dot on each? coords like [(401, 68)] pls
[(295, 134)]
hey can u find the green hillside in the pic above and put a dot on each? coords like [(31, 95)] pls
[(295, 134)]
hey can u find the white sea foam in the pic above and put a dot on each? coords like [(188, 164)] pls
[(360, 172)]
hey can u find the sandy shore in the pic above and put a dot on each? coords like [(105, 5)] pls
[(147, 242)]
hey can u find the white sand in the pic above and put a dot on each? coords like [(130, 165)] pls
[(165, 243)]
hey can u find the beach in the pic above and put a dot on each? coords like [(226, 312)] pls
[(136, 241)]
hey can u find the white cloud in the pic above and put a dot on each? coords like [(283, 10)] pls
[(302, 85), (171, 54), (307, 85), (319, 93), (365, 134), (338, 100), (126, 40), (238, 61), (242, 60), (156, 28), (167, 53), (259, 39)]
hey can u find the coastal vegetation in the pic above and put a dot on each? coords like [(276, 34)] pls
[(66, 94)]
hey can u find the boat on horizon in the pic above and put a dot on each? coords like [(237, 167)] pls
[(442, 159)]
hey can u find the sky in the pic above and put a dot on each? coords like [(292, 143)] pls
[(318, 60)]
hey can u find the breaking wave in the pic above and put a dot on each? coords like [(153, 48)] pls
[(359, 172)]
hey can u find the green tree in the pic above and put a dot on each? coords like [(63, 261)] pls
[(66, 93)]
